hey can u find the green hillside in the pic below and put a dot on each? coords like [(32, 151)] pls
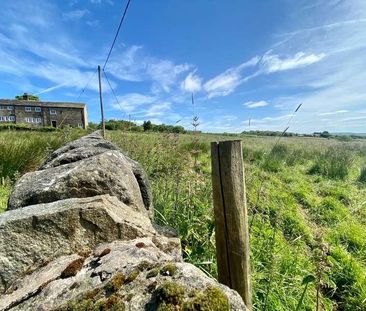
[(306, 200)]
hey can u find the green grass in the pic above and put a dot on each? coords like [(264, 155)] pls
[(307, 222)]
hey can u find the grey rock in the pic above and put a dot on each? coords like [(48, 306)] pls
[(132, 273), (33, 283), (35, 234), (106, 173), (92, 145)]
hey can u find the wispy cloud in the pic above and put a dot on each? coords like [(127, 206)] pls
[(192, 83), (133, 64), (226, 82), (110, 2), (273, 63), (332, 113), (132, 101), (74, 15), (257, 104)]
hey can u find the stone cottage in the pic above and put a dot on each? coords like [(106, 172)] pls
[(40, 113)]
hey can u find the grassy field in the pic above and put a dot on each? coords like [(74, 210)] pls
[(306, 200)]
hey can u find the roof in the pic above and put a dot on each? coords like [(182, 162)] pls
[(34, 103)]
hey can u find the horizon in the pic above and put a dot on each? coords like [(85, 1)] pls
[(243, 61)]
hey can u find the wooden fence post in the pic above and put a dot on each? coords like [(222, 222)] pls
[(231, 217)]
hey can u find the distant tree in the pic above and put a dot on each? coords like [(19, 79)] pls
[(27, 97), (147, 125), (325, 134), (93, 125)]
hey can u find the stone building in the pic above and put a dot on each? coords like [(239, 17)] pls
[(40, 113)]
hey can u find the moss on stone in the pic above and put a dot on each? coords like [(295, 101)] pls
[(113, 303), (73, 268), (169, 269), (145, 265), (166, 307), (152, 273), (115, 283), (133, 275), (211, 299), (170, 293), (81, 305), (93, 294)]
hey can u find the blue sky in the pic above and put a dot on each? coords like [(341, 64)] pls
[(242, 59)]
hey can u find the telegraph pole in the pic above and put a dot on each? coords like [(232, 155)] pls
[(101, 101)]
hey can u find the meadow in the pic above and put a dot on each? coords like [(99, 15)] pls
[(306, 200)]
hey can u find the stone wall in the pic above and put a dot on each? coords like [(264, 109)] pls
[(79, 235)]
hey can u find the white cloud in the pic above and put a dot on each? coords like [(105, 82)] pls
[(74, 15), (110, 2), (273, 63), (157, 110), (226, 82), (332, 113), (132, 101), (132, 64), (257, 104), (192, 83)]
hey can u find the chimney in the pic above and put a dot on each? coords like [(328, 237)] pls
[(25, 96)]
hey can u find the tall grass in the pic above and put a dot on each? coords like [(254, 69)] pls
[(293, 207), (21, 152), (334, 162), (362, 177)]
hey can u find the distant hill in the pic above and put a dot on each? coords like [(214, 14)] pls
[(349, 134)]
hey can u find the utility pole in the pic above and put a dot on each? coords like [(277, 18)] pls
[(101, 101)]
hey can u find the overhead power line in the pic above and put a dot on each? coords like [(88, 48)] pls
[(87, 84), (114, 93), (117, 33)]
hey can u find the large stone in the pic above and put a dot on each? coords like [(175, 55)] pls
[(106, 173), (92, 145), (123, 275), (35, 234)]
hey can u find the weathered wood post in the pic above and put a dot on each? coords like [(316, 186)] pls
[(231, 217)]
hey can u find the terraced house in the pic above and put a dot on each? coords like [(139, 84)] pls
[(40, 113)]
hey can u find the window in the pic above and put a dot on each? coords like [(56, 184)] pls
[(2, 107), (7, 119), (10, 107), (37, 109), (28, 109), (52, 111), (80, 125), (33, 120)]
